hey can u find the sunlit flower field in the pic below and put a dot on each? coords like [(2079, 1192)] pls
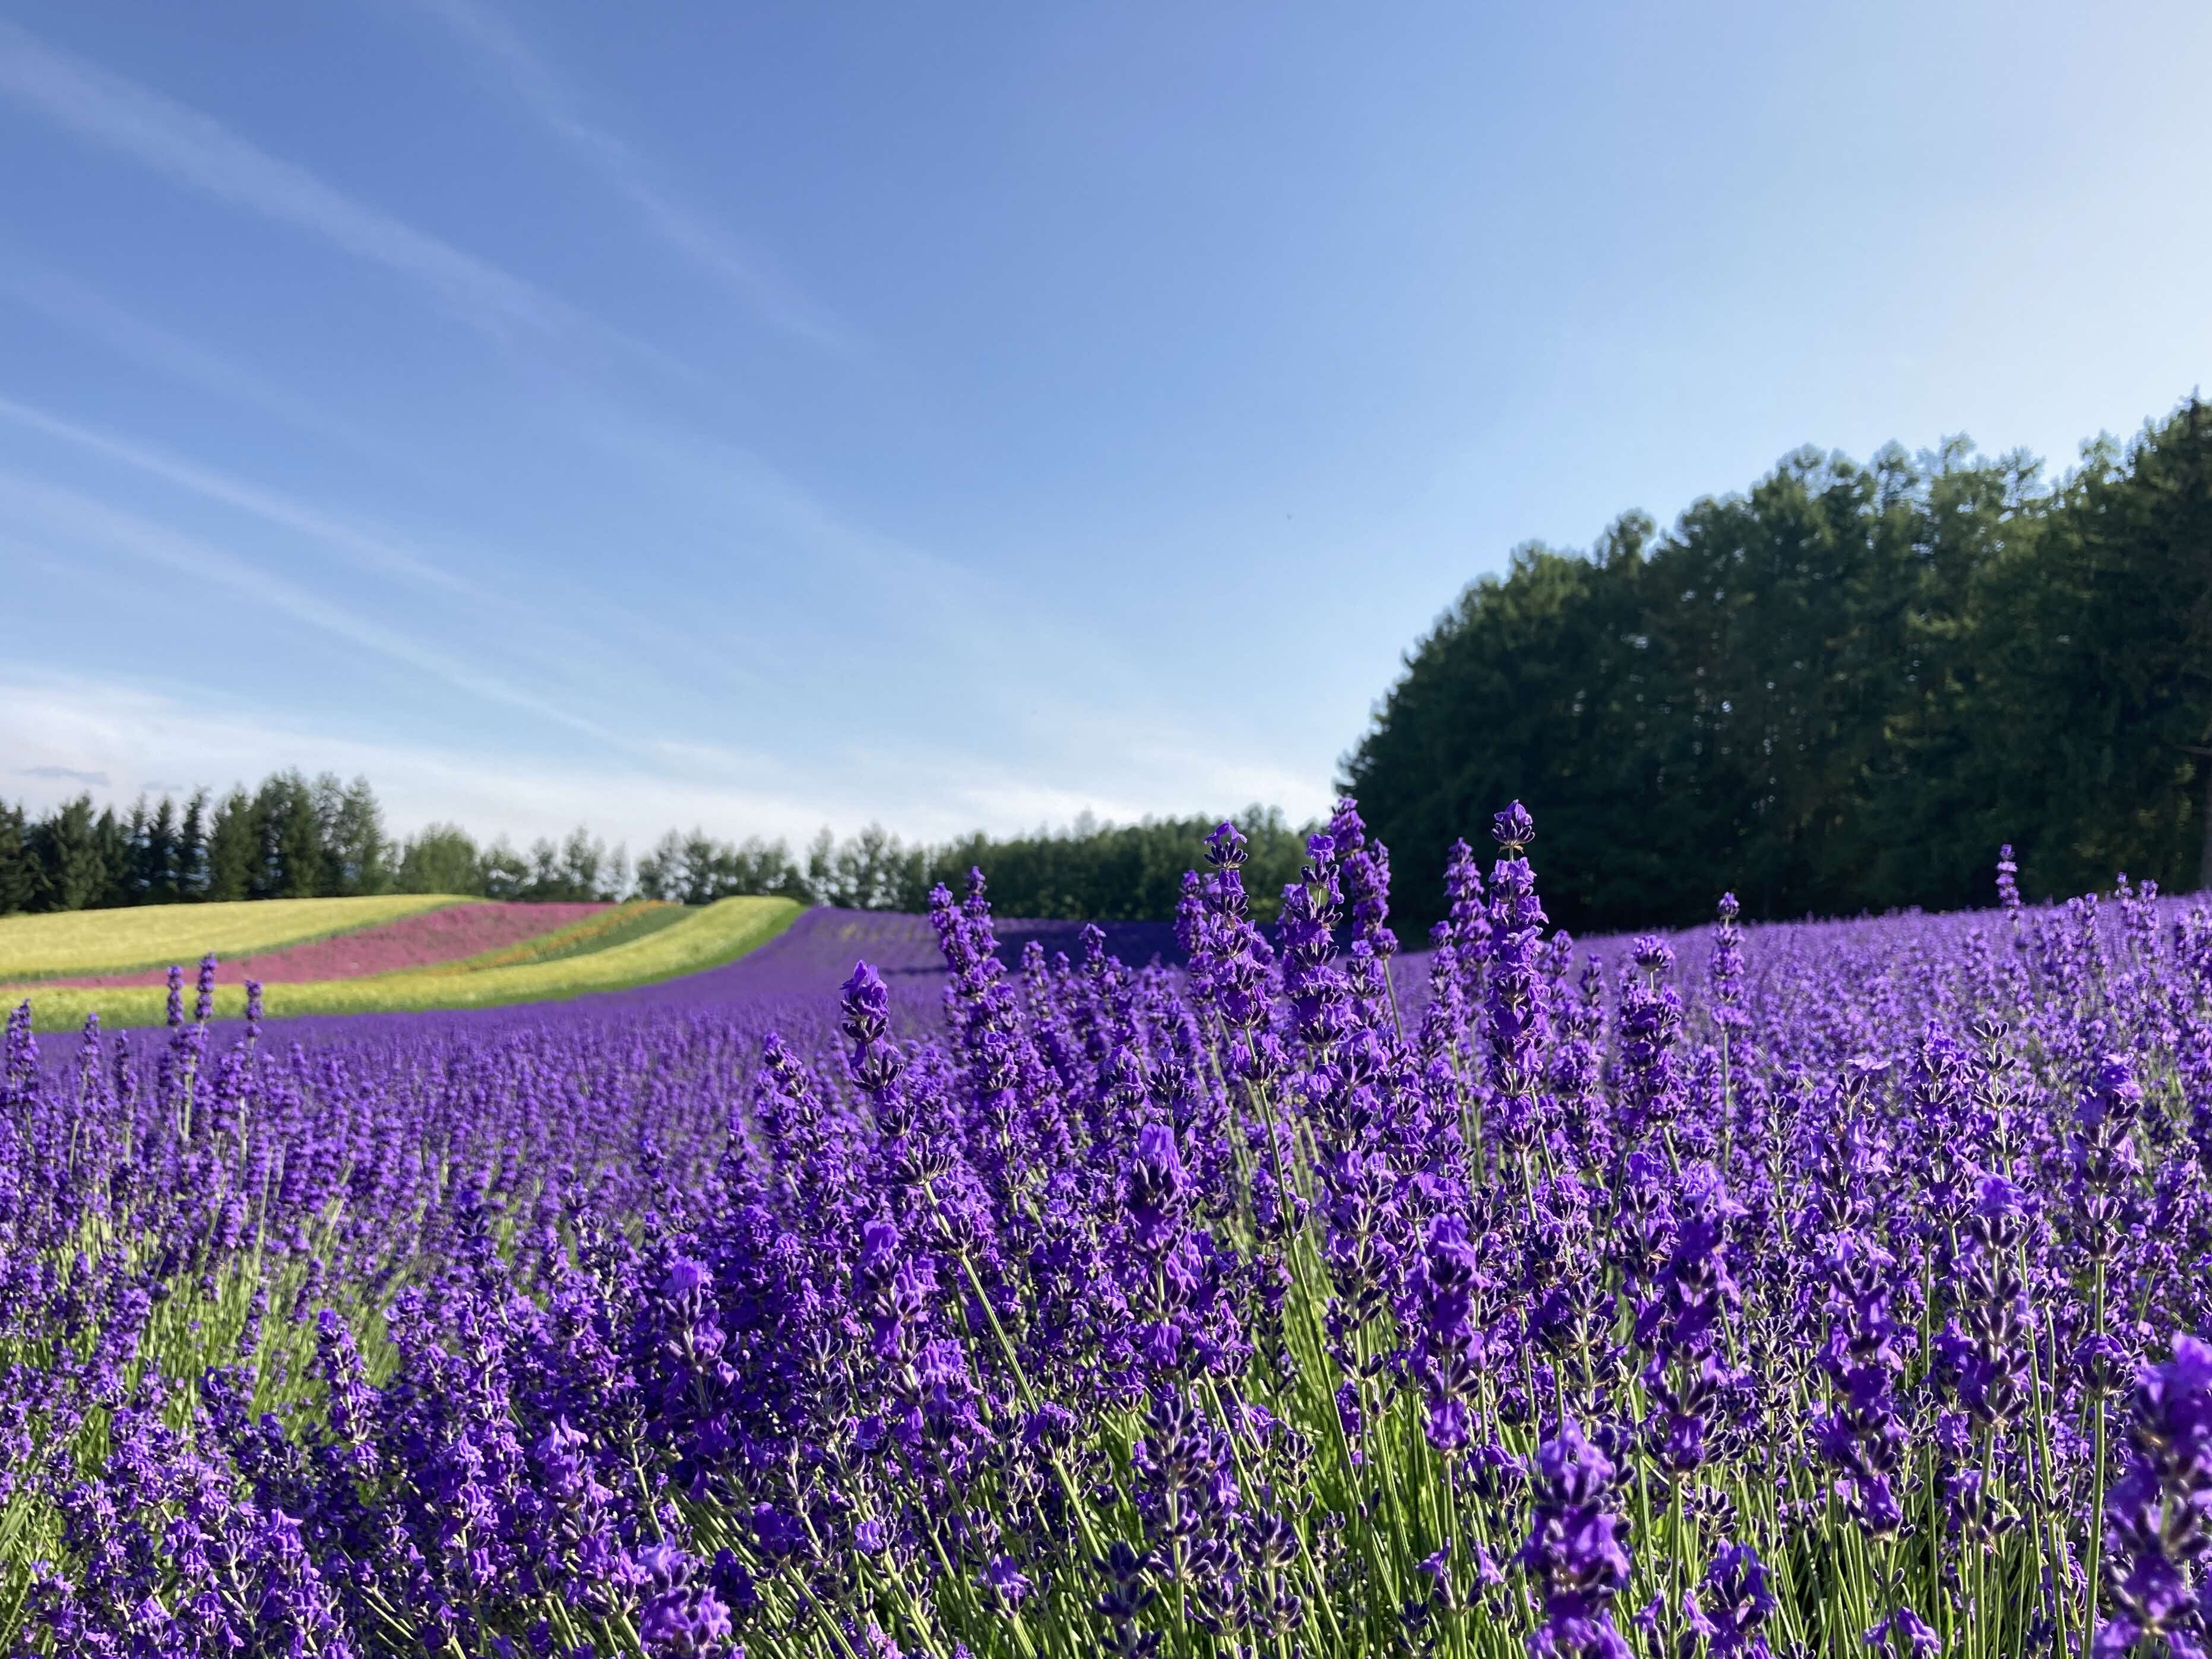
[(1831, 1288)]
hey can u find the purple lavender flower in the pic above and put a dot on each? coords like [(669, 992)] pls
[(1576, 1552), (2156, 1514), (1513, 829), (1861, 1433), (1155, 1188), (1732, 1602), (1724, 970), (203, 1002), (1366, 867), (679, 1617), (1444, 1287), (1518, 994)]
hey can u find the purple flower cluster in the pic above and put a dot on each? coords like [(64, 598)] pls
[(1824, 1288)]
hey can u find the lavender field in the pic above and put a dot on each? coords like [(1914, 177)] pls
[(1030, 1289)]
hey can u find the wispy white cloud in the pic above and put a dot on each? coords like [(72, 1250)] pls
[(66, 775), (734, 487), (377, 553), (1097, 733), (744, 268), (77, 305), (196, 150), (66, 514), (1036, 744), (552, 644)]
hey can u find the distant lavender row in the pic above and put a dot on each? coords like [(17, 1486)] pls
[(1812, 1289)]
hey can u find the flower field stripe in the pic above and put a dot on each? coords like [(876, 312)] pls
[(703, 939), (62, 944), (613, 925), (475, 931)]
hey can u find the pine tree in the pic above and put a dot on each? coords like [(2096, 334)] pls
[(19, 870), (233, 848), (66, 844), (192, 849), (113, 837), (160, 854), (292, 856), (360, 858)]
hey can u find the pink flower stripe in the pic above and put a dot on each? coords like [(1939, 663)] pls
[(425, 939)]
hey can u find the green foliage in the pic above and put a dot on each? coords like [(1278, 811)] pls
[(291, 855), (1118, 873), (291, 838), (191, 847), (440, 858), (697, 869), (356, 858), (1839, 691), (67, 848), (1089, 871), (578, 870), (233, 840), (873, 871), (19, 883), (501, 873)]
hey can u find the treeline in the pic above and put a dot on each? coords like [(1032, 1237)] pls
[(1838, 692), (1087, 872), (295, 837), (290, 839)]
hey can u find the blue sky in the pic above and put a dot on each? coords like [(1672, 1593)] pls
[(964, 416)]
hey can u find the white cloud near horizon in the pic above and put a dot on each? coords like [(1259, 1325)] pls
[(63, 732)]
